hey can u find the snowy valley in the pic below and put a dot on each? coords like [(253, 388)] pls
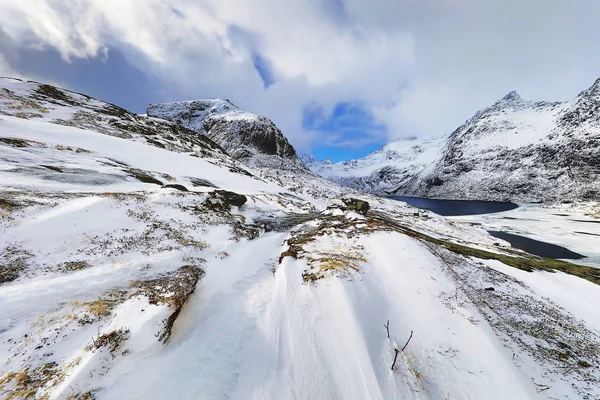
[(189, 254)]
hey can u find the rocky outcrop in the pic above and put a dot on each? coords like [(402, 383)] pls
[(254, 140)]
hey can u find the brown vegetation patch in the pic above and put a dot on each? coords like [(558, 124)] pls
[(101, 307), (69, 148), (13, 260), (26, 383), (74, 266), (113, 341), (19, 143)]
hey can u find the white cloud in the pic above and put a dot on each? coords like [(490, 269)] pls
[(421, 67)]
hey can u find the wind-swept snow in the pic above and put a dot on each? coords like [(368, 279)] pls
[(224, 285)]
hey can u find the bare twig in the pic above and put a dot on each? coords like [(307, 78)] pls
[(395, 357), (411, 334), (387, 327)]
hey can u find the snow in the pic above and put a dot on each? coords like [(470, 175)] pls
[(138, 155), (515, 150), (560, 225), (407, 153), (255, 327), (561, 289)]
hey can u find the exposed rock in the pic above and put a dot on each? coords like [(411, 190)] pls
[(176, 186), (143, 176), (231, 198), (254, 140), (173, 289), (202, 182), (357, 205)]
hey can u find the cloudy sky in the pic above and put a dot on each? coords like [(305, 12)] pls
[(339, 77)]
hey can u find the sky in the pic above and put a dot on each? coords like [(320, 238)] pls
[(339, 77)]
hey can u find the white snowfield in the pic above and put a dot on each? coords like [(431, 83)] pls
[(101, 303)]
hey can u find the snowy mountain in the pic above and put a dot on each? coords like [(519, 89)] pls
[(250, 138), (384, 171), (138, 260), (515, 150)]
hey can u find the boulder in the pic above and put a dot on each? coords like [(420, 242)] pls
[(231, 198), (357, 205)]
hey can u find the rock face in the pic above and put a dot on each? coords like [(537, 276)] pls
[(515, 150), (250, 138)]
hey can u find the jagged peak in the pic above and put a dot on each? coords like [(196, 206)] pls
[(512, 97), (594, 90)]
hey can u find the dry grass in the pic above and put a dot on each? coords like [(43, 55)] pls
[(82, 396), (327, 264), (70, 266), (13, 261), (101, 307), (113, 341), (26, 383)]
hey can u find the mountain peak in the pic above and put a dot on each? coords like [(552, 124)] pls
[(594, 90), (512, 97), (253, 139)]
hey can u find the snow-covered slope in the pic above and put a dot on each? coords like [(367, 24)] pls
[(133, 271), (250, 138), (383, 171), (524, 151), (515, 150)]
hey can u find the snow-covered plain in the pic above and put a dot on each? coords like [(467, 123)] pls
[(292, 291)]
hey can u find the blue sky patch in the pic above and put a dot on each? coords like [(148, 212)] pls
[(264, 69), (348, 131)]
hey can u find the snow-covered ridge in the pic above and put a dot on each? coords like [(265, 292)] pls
[(516, 149), (252, 139), (199, 110), (383, 171), (41, 102)]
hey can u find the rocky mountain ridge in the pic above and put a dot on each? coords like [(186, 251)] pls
[(515, 150), (253, 139)]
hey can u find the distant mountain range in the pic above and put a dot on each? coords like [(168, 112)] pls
[(515, 150)]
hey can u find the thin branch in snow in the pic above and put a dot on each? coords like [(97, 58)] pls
[(411, 334), (395, 357), (387, 327)]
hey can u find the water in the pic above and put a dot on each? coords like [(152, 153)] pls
[(536, 247), (452, 208)]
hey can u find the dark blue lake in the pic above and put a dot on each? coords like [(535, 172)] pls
[(450, 208)]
